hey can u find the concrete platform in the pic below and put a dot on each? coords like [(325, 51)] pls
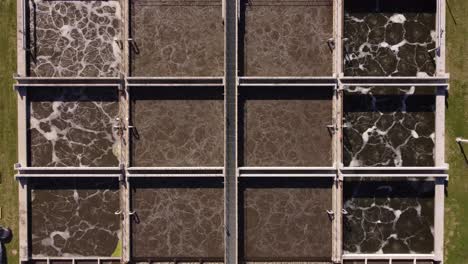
[(228, 131)]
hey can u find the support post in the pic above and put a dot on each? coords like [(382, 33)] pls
[(339, 13), (338, 188), (440, 126), (23, 220), (126, 220), (22, 147), (21, 24), (125, 36), (124, 160), (439, 220), (338, 106), (230, 119), (23, 183), (441, 21), (124, 97), (439, 198)]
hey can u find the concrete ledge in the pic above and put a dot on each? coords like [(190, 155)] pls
[(67, 80), (166, 175), (386, 80), (287, 80), (396, 171), (175, 80), (388, 256), (62, 175), (393, 175), (287, 175)]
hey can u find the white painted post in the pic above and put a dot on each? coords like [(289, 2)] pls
[(440, 182), (439, 220), (21, 9), (441, 31)]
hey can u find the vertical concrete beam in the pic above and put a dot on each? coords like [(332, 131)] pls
[(125, 145), (21, 9), (124, 159), (125, 4), (335, 37), (22, 125), (128, 122), (336, 193), (125, 185), (230, 129), (126, 221), (339, 221), (339, 13), (23, 220), (440, 182), (439, 220), (335, 122), (440, 28), (334, 190), (338, 187), (23, 186), (440, 126)]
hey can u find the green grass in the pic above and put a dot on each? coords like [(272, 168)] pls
[(118, 249), (8, 185), (456, 219)]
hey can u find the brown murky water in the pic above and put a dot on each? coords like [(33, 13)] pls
[(389, 126), (285, 219), (71, 126), (285, 126), (74, 217), (285, 38), (74, 38), (177, 38), (178, 218), (389, 38), (177, 127), (388, 216)]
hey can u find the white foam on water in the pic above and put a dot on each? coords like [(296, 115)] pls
[(422, 74), (434, 35), (398, 18), (361, 89), (355, 19), (102, 45), (76, 196), (395, 48), (384, 44)]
